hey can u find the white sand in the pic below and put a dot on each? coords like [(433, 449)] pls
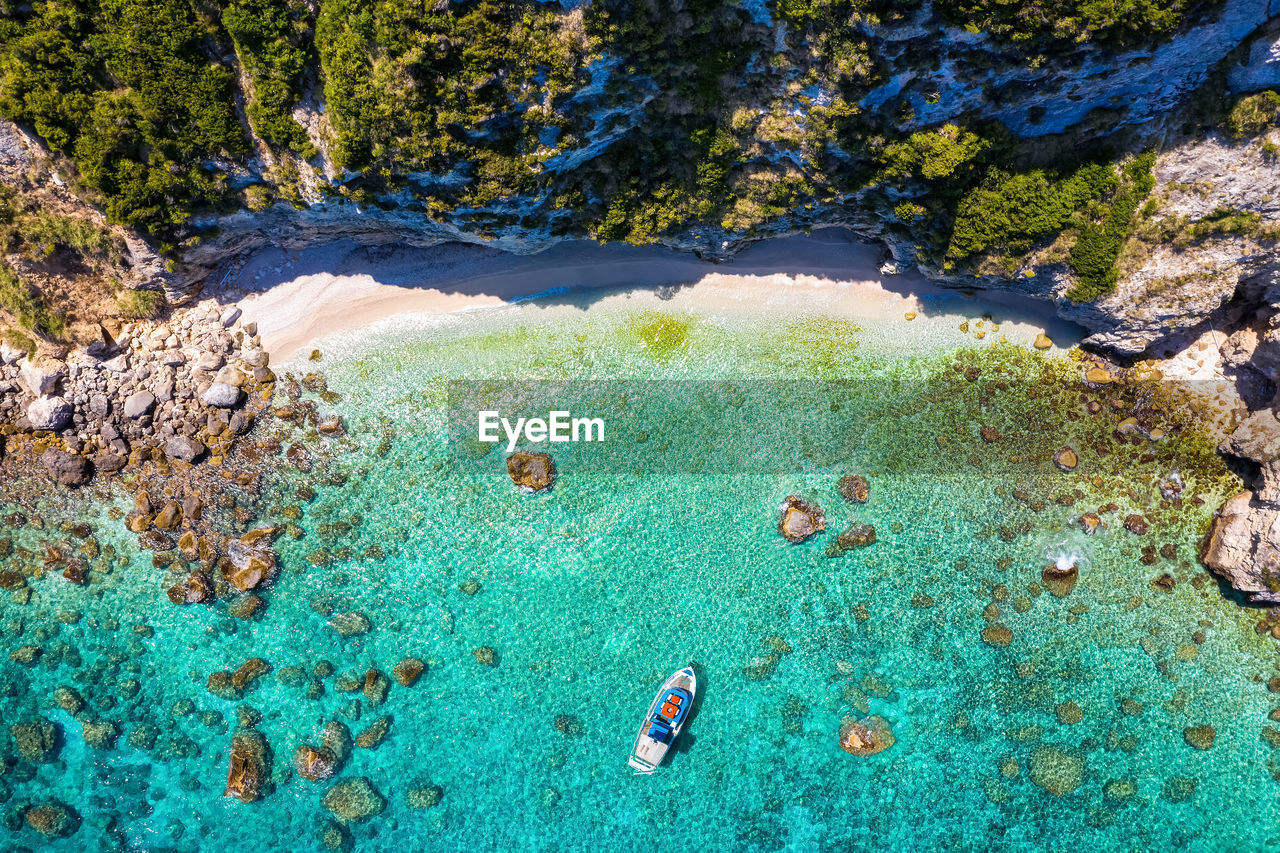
[(302, 298)]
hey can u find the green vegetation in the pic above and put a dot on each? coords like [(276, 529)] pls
[(945, 152), (1009, 212), (125, 89), (24, 302), (270, 38), (1073, 21), (1094, 255), (1254, 114), (43, 232), (140, 304), (663, 335)]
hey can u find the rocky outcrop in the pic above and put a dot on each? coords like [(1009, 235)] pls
[(1243, 543), (249, 768), (532, 472), (866, 737), (800, 519), (153, 385)]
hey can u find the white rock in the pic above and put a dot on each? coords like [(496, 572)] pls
[(229, 316), (41, 378), (221, 394), (10, 355), (119, 364), (49, 413)]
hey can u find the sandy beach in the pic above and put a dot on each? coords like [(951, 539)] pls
[(300, 298)]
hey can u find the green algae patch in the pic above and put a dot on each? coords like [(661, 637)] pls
[(662, 336)]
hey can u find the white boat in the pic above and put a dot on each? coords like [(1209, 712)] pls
[(667, 715)]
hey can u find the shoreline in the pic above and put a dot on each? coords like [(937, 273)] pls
[(299, 298)]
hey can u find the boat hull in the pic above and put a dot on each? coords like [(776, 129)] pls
[(647, 754)]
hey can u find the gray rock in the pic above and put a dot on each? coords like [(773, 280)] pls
[(108, 461), (229, 316), (1242, 544), (184, 448), (67, 468), (52, 413), (119, 364), (99, 405), (139, 404), (220, 394)]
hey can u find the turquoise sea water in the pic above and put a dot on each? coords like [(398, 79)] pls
[(668, 554)]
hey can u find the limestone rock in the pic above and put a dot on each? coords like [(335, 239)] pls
[(221, 395), (51, 413), (184, 448), (250, 559), (41, 377), (532, 471), (139, 404), (424, 796), (800, 519), (1242, 547)]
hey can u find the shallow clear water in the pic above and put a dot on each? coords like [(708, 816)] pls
[(592, 593)]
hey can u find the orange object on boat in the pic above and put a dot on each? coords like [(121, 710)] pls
[(669, 710)]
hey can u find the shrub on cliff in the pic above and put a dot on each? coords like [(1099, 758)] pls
[(1093, 257)]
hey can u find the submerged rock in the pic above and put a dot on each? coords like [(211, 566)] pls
[(532, 471), (486, 656), (37, 740), (249, 768), (52, 819), (408, 671), (99, 735), (353, 800), (997, 635), (855, 536), (800, 519), (1056, 769), (374, 734), (350, 624), (424, 796), (314, 764), (854, 489), (867, 736), (1200, 737)]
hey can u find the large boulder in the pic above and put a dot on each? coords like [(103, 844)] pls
[(1243, 546), (67, 468), (139, 404), (249, 769), (51, 413), (250, 559), (532, 471), (41, 377), (800, 519), (221, 395), (353, 800), (184, 448)]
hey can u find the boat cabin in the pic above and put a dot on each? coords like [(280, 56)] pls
[(672, 710)]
